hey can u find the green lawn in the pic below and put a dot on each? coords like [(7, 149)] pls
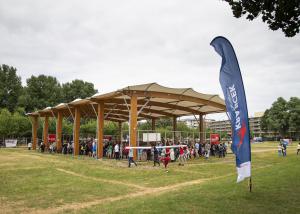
[(31, 182)]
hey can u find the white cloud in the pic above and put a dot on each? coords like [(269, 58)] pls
[(118, 43)]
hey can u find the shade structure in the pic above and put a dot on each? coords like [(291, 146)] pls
[(153, 101)]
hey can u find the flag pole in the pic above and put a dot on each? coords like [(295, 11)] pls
[(250, 184)]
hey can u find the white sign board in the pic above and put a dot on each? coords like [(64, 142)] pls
[(151, 137), (10, 143)]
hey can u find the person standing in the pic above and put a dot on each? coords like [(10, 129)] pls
[(117, 151), (181, 156), (110, 148), (94, 149), (298, 148), (172, 154), (148, 154), (155, 156), (279, 149), (166, 159), (197, 147), (29, 145), (284, 149), (207, 148), (130, 158)]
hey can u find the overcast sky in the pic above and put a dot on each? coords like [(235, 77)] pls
[(114, 44)]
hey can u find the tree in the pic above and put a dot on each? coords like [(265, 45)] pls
[(278, 14), (164, 122), (22, 124), (41, 92), (111, 128), (77, 89), (277, 117), (293, 107), (89, 127), (10, 87), (16, 124), (5, 123)]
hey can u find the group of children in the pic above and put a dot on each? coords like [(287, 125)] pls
[(282, 148), (165, 157)]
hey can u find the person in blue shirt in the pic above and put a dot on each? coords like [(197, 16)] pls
[(130, 158)]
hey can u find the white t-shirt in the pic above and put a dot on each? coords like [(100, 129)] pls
[(117, 148)]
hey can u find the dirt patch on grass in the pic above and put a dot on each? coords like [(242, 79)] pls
[(100, 179), (143, 192)]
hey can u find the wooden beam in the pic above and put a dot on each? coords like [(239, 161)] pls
[(175, 97), (133, 123), (59, 131), (100, 121), (122, 110), (174, 124), (201, 128), (35, 123), (145, 110), (45, 132), (174, 128), (115, 119), (120, 131), (158, 104), (153, 125), (76, 130)]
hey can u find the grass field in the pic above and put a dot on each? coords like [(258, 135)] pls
[(31, 182)]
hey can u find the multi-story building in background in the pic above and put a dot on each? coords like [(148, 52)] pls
[(224, 125)]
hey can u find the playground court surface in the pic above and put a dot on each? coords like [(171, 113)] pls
[(31, 182)]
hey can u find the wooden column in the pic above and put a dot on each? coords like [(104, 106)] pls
[(100, 121), (45, 132), (120, 132), (201, 128), (76, 130), (153, 125), (174, 128), (35, 123), (59, 131), (133, 124)]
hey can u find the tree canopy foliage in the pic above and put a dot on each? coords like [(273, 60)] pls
[(283, 116), (14, 124), (40, 91), (77, 89), (278, 14), (10, 87)]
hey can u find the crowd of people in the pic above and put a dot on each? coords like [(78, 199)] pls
[(118, 151)]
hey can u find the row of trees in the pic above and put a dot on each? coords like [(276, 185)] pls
[(40, 91), (17, 124), (283, 117)]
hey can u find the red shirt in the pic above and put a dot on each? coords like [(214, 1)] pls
[(181, 151)]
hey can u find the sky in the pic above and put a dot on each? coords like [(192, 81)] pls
[(118, 43)]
